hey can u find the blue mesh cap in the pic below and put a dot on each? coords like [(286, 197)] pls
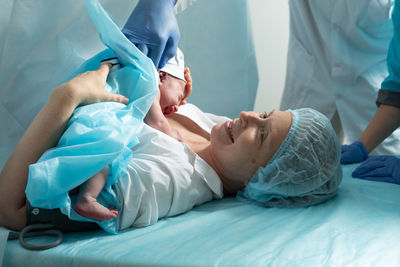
[(306, 168)]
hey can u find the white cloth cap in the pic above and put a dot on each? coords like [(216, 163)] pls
[(176, 66)]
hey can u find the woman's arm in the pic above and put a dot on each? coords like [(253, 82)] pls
[(47, 127), (44, 133), (380, 168)]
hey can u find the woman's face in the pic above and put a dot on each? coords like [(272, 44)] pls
[(241, 146)]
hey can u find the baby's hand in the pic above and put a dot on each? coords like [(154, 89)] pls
[(188, 86)]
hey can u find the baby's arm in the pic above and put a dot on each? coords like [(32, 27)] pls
[(156, 119)]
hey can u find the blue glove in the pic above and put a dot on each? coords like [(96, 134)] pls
[(353, 153), (380, 168), (153, 28)]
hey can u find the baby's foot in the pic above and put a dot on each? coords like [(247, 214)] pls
[(88, 207)]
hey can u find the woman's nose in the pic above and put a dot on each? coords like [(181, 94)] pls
[(247, 117), (244, 117)]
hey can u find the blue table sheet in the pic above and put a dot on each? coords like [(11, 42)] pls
[(359, 227)]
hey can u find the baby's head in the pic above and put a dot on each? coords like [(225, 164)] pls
[(175, 84), (304, 171)]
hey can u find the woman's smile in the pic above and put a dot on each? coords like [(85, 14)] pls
[(228, 128)]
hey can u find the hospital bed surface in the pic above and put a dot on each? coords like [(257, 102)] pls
[(359, 227)]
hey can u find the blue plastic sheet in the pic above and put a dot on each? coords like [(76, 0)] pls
[(3, 241), (359, 227), (97, 134)]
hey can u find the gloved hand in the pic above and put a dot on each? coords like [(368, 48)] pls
[(353, 153), (380, 168), (153, 28)]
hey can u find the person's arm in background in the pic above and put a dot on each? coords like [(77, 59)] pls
[(385, 121), (153, 28), (380, 168)]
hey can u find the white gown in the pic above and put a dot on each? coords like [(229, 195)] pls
[(165, 177)]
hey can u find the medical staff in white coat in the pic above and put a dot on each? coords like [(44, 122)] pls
[(386, 120), (337, 62)]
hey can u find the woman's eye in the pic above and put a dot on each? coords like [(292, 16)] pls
[(264, 115), (262, 135)]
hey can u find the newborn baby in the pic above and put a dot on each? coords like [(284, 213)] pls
[(174, 88)]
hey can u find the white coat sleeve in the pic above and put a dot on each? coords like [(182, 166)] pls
[(182, 5)]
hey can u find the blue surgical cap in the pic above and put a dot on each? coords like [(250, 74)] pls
[(306, 168)]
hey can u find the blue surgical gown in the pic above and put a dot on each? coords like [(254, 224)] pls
[(390, 89)]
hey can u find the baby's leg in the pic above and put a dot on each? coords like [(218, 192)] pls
[(87, 204)]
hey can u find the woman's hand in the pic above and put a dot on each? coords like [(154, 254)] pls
[(88, 87)]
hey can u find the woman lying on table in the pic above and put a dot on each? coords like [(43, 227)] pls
[(282, 158)]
